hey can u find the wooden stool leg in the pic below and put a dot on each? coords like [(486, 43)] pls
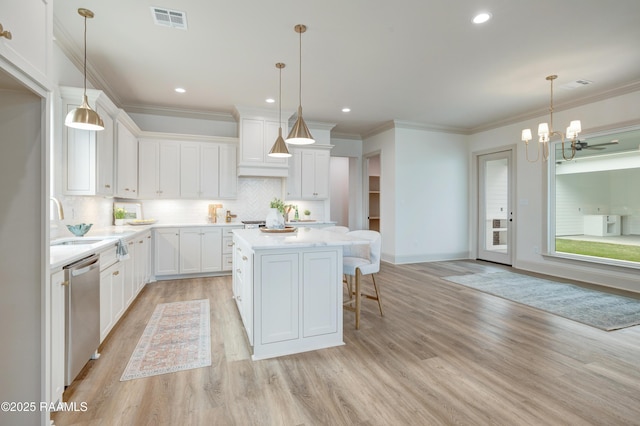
[(358, 297), (375, 286)]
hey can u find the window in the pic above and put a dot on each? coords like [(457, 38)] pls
[(594, 201)]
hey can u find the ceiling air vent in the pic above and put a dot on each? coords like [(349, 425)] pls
[(169, 18), (576, 84)]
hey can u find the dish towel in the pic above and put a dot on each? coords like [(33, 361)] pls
[(121, 250)]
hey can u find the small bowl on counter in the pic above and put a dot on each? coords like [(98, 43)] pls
[(80, 229)]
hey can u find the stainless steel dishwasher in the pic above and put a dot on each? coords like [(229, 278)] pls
[(82, 323)]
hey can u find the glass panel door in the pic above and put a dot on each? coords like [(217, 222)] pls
[(495, 213)]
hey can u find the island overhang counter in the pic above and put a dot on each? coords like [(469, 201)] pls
[(288, 289)]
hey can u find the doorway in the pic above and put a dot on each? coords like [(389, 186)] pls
[(495, 209), (372, 197)]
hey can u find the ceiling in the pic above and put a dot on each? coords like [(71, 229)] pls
[(414, 61)]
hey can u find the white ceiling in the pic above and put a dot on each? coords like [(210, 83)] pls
[(415, 61)]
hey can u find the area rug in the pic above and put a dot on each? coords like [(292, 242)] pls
[(177, 337), (597, 309)]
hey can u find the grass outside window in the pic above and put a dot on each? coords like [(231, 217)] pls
[(606, 250)]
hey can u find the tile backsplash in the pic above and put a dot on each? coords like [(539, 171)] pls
[(254, 196)]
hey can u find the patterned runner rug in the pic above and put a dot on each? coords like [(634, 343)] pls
[(597, 309), (177, 337)]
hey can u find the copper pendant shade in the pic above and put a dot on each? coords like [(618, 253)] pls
[(279, 148), (300, 134), (84, 117)]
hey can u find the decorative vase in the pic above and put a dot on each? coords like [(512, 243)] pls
[(274, 219), (118, 222)]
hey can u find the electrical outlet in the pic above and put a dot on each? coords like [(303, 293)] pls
[(536, 249)]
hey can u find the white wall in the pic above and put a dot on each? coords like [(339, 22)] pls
[(432, 208), (530, 216), (213, 126), (351, 148), (339, 184), (22, 252), (384, 144)]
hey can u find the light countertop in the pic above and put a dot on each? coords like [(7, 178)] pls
[(302, 237)]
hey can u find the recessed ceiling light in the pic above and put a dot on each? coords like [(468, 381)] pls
[(270, 100), (180, 90), (346, 109), (481, 18)]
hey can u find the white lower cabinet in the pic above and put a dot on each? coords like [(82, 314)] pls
[(111, 297), (130, 266), (243, 285), (57, 338), (142, 265), (227, 247), (200, 250), (193, 250), (167, 251)]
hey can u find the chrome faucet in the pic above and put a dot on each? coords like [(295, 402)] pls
[(60, 211)]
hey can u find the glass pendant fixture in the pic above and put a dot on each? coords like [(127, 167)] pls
[(279, 148), (84, 117), (300, 134)]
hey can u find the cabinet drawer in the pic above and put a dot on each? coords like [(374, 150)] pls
[(227, 262), (227, 245), (108, 258), (228, 231)]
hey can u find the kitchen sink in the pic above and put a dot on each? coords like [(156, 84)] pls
[(77, 241)]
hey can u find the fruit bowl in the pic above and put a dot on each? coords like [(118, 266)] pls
[(80, 229)]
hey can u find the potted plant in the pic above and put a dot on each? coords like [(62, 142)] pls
[(118, 216), (275, 218), (307, 214)]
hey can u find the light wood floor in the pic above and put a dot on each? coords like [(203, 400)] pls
[(443, 354)]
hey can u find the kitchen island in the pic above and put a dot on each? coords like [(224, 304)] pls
[(288, 289)]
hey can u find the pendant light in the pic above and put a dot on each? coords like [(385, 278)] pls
[(300, 134), (84, 117), (279, 148)]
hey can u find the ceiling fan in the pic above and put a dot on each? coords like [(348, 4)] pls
[(580, 145)]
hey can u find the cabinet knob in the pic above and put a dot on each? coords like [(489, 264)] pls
[(5, 34), (239, 299), (107, 186), (64, 283), (244, 258), (127, 189), (116, 272), (239, 270)]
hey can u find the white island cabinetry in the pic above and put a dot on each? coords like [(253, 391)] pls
[(288, 288)]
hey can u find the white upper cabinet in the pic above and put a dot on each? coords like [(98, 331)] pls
[(294, 179), (87, 156), (30, 23), (258, 130), (208, 170), (158, 169), (126, 159), (228, 171), (309, 173)]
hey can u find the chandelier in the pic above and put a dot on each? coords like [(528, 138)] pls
[(545, 132)]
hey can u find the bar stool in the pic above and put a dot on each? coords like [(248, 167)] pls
[(360, 263)]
